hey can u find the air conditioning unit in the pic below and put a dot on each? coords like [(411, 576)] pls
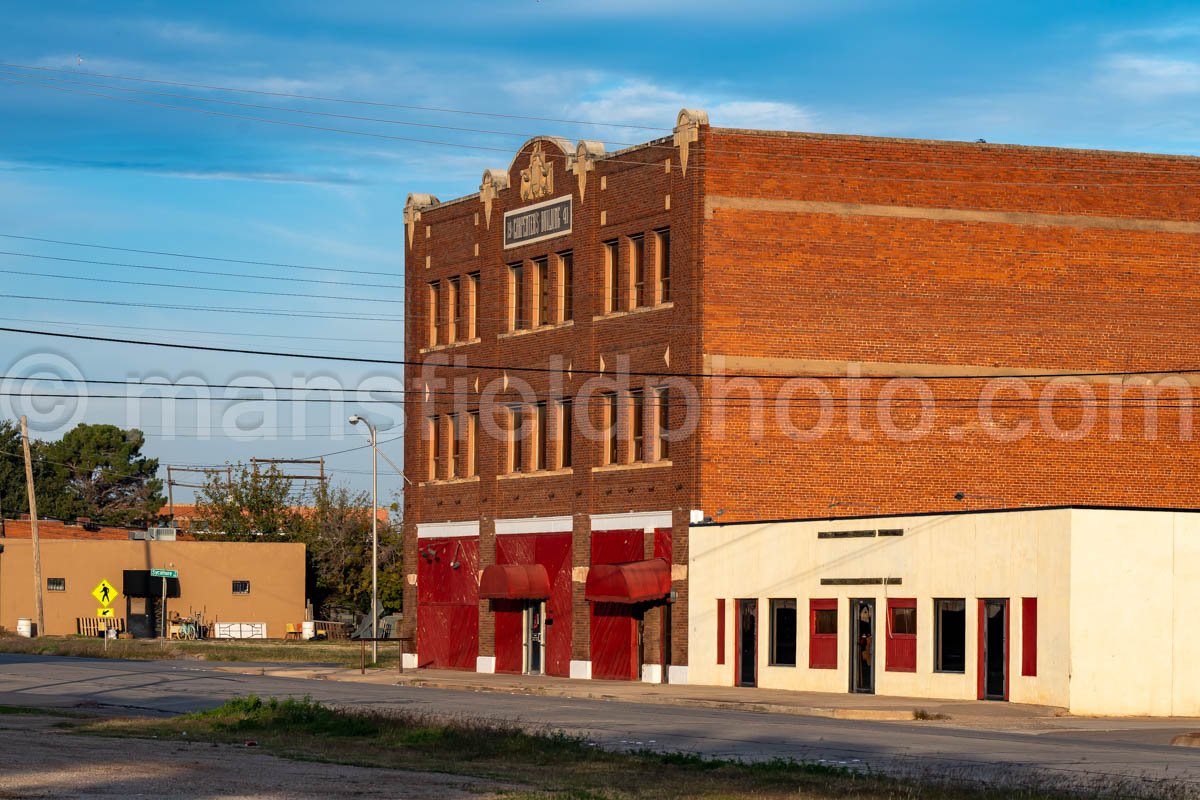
[(155, 534)]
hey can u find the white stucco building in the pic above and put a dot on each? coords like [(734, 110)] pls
[(1095, 610)]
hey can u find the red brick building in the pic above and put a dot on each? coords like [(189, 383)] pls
[(735, 325)]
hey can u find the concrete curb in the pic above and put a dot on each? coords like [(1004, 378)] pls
[(379, 676)]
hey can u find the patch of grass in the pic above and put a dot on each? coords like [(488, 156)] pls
[(536, 765), (922, 714), (336, 653), (41, 712)]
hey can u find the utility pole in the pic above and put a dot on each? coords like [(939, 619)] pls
[(33, 530)]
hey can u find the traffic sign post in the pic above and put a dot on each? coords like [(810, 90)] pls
[(164, 574)]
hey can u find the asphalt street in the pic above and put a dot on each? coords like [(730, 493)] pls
[(1139, 758)]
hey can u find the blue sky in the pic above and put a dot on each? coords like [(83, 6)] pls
[(89, 169)]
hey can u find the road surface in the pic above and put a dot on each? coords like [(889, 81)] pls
[(1136, 757)]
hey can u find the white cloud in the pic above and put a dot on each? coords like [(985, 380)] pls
[(1150, 76), (640, 102)]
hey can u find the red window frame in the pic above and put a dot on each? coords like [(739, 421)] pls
[(822, 647), (1029, 621), (901, 648)]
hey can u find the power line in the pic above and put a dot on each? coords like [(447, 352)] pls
[(632, 373), (708, 150), (284, 109), (841, 176), (174, 269), (239, 334), (624, 400), (192, 287), (250, 311), (336, 99), (763, 135), (1076, 185), (248, 262)]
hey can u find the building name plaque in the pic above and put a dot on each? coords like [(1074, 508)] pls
[(537, 222)]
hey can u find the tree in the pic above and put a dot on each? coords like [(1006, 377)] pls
[(98, 471), (14, 499), (338, 535), (253, 503)]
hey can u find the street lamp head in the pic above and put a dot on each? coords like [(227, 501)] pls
[(355, 419)]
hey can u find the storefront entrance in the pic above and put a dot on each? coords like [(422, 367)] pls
[(993, 649), (862, 646), (535, 637), (747, 649)]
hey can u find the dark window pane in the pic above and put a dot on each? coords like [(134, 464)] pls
[(904, 622), (783, 633), (950, 619), (825, 621)]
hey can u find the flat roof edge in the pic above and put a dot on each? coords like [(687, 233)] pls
[(950, 513)]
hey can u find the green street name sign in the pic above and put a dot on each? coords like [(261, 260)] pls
[(164, 573)]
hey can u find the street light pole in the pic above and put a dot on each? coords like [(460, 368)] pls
[(354, 420)]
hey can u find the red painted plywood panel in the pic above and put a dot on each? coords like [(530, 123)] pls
[(448, 598), (552, 551), (614, 626), (1029, 622)]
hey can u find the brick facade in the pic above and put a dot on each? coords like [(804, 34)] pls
[(794, 256)]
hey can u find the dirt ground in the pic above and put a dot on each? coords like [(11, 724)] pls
[(39, 760)]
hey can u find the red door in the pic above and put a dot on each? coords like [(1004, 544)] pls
[(993, 649), (614, 626)]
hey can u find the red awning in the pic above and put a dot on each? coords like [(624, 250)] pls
[(634, 582), (514, 582)]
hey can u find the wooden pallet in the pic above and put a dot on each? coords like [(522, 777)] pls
[(95, 626)]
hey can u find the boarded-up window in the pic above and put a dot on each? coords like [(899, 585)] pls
[(1029, 636), (721, 631), (902, 635), (822, 634)]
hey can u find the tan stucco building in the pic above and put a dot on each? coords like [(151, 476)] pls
[(1094, 610), (255, 583)]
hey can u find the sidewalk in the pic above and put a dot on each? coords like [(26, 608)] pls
[(812, 704)]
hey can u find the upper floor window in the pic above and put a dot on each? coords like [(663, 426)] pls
[(472, 291), (564, 433), (637, 272), (455, 299), (56, 584), (241, 587), (518, 315), (541, 445), (435, 305), (662, 259), (468, 433), (435, 446), (541, 272), (516, 439), (612, 277), (566, 286), (637, 425), (663, 403), (609, 405), (454, 453)]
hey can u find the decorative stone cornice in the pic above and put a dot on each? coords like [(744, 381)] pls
[(412, 211), (494, 181), (687, 130), (583, 161)]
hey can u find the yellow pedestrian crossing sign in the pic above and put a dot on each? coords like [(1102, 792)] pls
[(106, 612), (105, 593)]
